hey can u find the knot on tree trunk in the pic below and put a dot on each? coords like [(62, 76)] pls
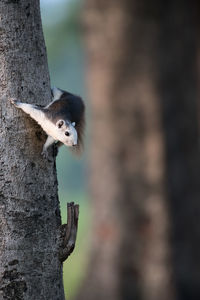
[(69, 232)]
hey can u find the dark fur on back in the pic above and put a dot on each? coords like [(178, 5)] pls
[(69, 108)]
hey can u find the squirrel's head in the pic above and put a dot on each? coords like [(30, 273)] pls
[(67, 132)]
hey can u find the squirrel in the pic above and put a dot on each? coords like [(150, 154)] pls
[(63, 119)]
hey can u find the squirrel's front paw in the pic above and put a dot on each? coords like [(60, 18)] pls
[(15, 102), (44, 154)]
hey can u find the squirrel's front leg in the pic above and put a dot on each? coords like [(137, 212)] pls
[(50, 141), (34, 111)]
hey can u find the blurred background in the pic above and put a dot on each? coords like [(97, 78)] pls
[(66, 59), (136, 64)]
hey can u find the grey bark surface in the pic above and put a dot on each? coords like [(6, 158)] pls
[(29, 207), (145, 161)]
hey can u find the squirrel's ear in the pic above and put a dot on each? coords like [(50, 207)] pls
[(73, 124), (60, 123)]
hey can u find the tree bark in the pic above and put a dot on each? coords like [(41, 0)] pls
[(142, 149), (29, 208)]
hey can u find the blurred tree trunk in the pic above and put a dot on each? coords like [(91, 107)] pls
[(29, 207), (177, 59), (144, 154)]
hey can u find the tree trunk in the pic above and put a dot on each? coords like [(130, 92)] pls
[(132, 54), (178, 86), (29, 207)]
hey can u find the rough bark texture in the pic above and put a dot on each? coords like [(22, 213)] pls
[(144, 117), (29, 208)]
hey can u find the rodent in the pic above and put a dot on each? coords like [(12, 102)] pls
[(63, 119)]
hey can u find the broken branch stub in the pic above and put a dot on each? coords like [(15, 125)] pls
[(69, 232)]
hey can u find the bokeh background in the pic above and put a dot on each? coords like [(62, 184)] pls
[(136, 64), (66, 59)]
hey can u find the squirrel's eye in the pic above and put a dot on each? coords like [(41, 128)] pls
[(67, 133)]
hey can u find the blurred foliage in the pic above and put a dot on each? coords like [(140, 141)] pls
[(76, 264), (62, 31), (64, 46), (66, 66)]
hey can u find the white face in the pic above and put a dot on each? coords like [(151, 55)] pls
[(66, 133)]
